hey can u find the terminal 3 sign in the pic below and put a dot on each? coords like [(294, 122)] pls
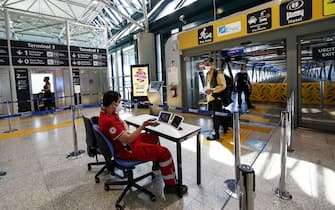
[(84, 56), (38, 54), (42, 54)]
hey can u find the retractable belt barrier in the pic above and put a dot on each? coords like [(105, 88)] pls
[(125, 102)]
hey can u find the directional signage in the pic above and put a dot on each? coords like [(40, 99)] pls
[(85, 56), (295, 11), (4, 59), (324, 53), (38, 54), (259, 21), (22, 89), (205, 35)]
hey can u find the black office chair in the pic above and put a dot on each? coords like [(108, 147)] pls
[(107, 151), (92, 147)]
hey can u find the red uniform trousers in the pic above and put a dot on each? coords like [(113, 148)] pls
[(146, 147)]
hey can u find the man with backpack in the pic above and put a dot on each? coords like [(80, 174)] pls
[(243, 84), (215, 84)]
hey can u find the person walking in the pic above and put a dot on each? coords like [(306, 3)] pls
[(215, 84), (242, 83)]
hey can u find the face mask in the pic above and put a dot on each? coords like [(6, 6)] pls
[(119, 107), (207, 68)]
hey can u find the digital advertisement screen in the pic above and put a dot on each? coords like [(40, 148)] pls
[(140, 80)]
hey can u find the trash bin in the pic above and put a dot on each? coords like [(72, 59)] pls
[(247, 187)]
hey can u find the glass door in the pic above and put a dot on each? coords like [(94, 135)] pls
[(317, 81)]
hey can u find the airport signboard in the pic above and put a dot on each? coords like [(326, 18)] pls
[(324, 52), (22, 89), (90, 57), (259, 21), (295, 11), (4, 59), (205, 35), (38, 54)]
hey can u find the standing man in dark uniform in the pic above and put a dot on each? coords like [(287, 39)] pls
[(215, 84), (243, 84)]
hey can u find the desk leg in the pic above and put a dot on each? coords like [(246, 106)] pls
[(198, 159), (179, 169)]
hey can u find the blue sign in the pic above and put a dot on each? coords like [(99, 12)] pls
[(232, 52)]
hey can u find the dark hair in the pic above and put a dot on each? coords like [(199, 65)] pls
[(110, 97), (46, 78), (209, 59)]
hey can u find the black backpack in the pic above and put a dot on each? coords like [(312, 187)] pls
[(225, 95), (242, 80), (228, 91)]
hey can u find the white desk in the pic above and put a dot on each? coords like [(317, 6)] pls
[(178, 136)]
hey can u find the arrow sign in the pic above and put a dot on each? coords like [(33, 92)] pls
[(74, 63), (73, 55), (19, 52), (20, 61)]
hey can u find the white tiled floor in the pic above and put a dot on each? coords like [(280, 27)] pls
[(40, 177)]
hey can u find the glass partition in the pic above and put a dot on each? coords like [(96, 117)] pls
[(317, 86)]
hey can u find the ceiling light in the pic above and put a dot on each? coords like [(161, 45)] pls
[(219, 10)]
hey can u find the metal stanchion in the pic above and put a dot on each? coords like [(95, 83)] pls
[(135, 108), (291, 122), (76, 152), (247, 187), (78, 109), (285, 126), (10, 129), (232, 184)]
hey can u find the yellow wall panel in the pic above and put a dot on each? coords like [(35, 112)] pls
[(329, 96)]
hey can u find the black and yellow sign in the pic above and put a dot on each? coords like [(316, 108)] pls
[(205, 35), (259, 21), (328, 7), (324, 53), (295, 11)]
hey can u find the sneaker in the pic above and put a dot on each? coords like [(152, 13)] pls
[(213, 137), (174, 189)]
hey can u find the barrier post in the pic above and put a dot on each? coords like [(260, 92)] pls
[(10, 129), (285, 126), (232, 184), (247, 187), (291, 120), (135, 107), (76, 152)]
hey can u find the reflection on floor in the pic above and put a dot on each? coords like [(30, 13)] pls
[(40, 177)]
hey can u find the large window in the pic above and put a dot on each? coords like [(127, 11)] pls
[(121, 61)]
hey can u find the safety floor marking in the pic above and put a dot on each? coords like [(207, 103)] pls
[(26, 132), (245, 130)]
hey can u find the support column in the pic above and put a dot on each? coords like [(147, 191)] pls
[(14, 108), (292, 71)]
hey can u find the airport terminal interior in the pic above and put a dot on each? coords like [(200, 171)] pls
[(58, 58)]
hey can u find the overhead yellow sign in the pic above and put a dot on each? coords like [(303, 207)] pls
[(277, 16), (328, 7)]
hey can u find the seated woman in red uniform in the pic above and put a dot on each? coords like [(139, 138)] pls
[(136, 145)]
